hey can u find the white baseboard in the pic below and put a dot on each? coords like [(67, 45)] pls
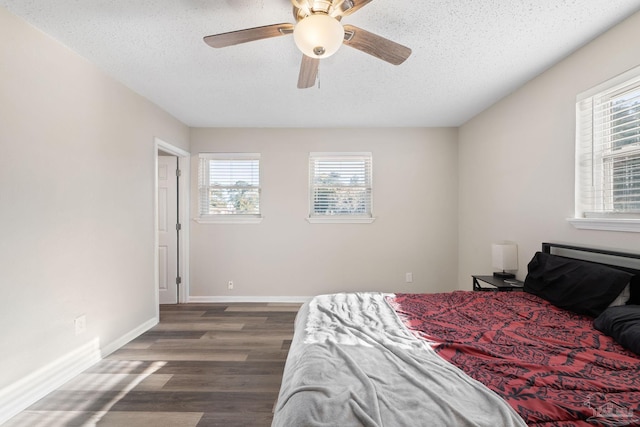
[(218, 299), (28, 390), (108, 349)]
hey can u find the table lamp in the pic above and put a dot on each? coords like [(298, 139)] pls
[(504, 258)]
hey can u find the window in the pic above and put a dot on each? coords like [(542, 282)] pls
[(608, 152), (340, 187), (229, 187)]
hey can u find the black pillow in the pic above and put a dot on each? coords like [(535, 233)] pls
[(635, 290), (580, 286), (622, 323)]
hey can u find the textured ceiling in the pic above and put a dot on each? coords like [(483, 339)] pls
[(467, 54)]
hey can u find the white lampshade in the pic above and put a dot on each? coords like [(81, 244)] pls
[(319, 35), (504, 256)]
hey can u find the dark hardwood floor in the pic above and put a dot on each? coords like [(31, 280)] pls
[(202, 365)]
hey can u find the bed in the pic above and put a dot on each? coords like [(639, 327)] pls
[(562, 353)]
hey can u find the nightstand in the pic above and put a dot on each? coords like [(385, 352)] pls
[(491, 283)]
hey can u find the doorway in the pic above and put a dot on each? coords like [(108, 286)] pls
[(171, 223)]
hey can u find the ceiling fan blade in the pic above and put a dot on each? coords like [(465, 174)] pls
[(375, 45), (357, 4), (308, 72), (250, 34)]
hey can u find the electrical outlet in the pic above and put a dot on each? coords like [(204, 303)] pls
[(80, 324), (408, 277), (230, 285)]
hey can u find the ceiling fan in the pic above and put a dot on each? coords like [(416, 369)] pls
[(318, 33)]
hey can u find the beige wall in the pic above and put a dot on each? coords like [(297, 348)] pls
[(76, 201), (415, 203), (517, 159)]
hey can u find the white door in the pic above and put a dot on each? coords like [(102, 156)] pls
[(167, 235)]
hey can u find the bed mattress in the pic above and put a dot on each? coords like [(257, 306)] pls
[(453, 359)]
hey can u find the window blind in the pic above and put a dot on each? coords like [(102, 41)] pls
[(229, 184), (608, 150), (340, 184)]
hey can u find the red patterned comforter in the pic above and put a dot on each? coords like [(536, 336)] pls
[(549, 364)]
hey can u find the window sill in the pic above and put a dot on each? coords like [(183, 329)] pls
[(229, 219), (607, 224), (340, 220)]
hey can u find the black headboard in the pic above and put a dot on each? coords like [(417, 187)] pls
[(546, 248), (627, 261)]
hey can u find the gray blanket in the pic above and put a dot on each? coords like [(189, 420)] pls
[(353, 363)]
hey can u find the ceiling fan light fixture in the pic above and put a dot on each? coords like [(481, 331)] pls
[(318, 35)]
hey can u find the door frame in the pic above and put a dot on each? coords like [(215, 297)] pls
[(184, 161)]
